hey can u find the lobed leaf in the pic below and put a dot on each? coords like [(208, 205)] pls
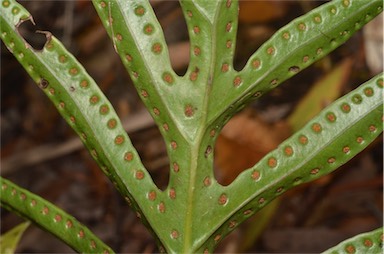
[(335, 136), (194, 213), (81, 103), (50, 218), (140, 43), (291, 49)]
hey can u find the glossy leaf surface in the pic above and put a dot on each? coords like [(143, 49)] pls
[(194, 213)]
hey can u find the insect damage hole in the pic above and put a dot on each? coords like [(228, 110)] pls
[(34, 38), (43, 83)]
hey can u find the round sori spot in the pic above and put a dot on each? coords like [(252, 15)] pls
[(15, 10), (112, 123), (45, 210), (217, 238), (196, 51), (360, 140), (303, 139), (286, 35), (128, 57), (194, 74), (274, 82), (189, 111), (196, 29), (272, 162), (152, 195), (357, 99), (346, 149), (288, 150), (256, 63), (119, 37), (317, 18), (350, 249), (302, 26), (228, 44), (81, 234), (316, 127), (94, 99), (84, 83), (128, 156), (104, 109), (176, 167), (372, 128), (119, 140), (368, 243), (346, 3), (228, 27), (271, 50), (333, 10), (305, 59), (157, 48), (247, 212), (255, 175), (224, 67), (161, 207), (57, 218), (368, 91), (6, 3), (232, 224), (379, 83), (172, 193), (345, 107), (73, 71), (167, 77), (314, 171), (331, 117), (62, 58), (144, 93), (149, 29), (140, 10), (237, 81), (173, 145), (174, 234), (207, 181), (139, 174)]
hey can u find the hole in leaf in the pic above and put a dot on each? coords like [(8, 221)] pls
[(34, 38)]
